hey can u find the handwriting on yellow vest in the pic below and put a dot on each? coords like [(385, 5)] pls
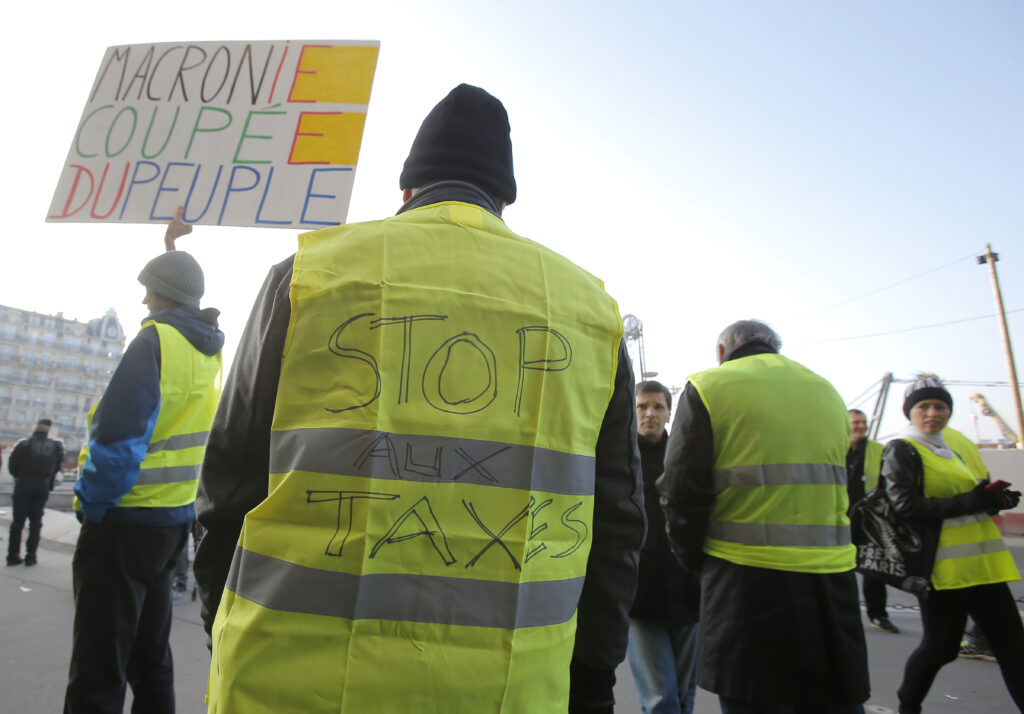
[(458, 374)]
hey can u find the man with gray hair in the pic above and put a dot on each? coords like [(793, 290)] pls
[(754, 493)]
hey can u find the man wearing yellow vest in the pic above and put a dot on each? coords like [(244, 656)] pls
[(136, 491), (422, 490), (863, 464), (754, 493)]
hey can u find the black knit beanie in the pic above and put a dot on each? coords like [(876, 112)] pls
[(927, 388), (466, 138)]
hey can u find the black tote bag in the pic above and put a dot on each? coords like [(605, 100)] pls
[(898, 551)]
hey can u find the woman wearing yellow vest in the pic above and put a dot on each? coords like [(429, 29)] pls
[(927, 481)]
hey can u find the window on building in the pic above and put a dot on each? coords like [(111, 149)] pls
[(46, 359), (48, 339), (33, 336), (34, 320), (50, 322)]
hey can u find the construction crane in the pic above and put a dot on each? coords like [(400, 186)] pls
[(986, 409)]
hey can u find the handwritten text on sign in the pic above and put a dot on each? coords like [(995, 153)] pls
[(240, 133)]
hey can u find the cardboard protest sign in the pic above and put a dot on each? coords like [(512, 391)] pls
[(240, 133)]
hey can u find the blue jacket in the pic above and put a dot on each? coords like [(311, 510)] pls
[(123, 423)]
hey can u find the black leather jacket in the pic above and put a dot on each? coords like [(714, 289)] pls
[(903, 472)]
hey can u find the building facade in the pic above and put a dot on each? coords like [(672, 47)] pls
[(53, 367)]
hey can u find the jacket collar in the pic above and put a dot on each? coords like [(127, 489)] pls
[(451, 191), (754, 347)]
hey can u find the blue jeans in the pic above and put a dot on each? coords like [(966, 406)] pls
[(735, 706), (664, 666)]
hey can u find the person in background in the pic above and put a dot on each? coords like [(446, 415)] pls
[(927, 481), (863, 464), (34, 463), (135, 495), (663, 620), (754, 493), (422, 491)]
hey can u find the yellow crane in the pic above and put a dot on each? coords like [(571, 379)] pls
[(991, 413)]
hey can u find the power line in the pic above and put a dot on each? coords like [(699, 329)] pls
[(887, 287), (906, 329), (966, 383)]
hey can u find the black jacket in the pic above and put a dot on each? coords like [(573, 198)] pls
[(855, 472), (235, 469), (665, 592), (903, 473), (36, 457)]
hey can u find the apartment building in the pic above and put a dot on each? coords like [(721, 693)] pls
[(53, 367)]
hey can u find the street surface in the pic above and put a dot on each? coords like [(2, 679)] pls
[(36, 613)]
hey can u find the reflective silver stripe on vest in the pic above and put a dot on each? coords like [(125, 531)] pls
[(967, 550), (168, 474), (430, 459), (779, 475), (280, 585), (179, 441), (964, 520), (778, 534)]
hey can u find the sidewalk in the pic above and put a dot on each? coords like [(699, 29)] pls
[(36, 615), (60, 530), (37, 610)]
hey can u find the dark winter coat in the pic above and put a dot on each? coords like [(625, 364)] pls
[(665, 593), (37, 458)]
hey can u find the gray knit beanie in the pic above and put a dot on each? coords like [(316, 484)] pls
[(925, 388), (176, 276)]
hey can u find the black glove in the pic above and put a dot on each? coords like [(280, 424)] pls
[(997, 496), (1009, 499)]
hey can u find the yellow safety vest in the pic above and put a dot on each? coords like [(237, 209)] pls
[(426, 533), (781, 434), (83, 453), (968, 451), (189, 393), (971, 551), (872, 464)]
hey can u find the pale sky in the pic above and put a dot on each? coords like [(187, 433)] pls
[(710, 161)]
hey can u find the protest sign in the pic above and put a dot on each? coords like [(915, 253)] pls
[(239, 133)]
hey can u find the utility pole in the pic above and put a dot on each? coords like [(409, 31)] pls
[(991, 259)]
